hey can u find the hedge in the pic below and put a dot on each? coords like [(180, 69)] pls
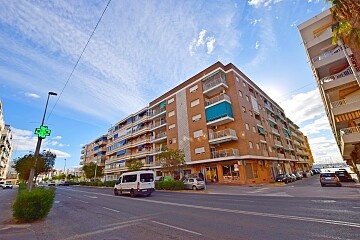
[(169, 185), (34, 205)]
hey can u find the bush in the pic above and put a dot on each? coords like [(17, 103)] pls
[(110, 183), (169, 185), (34, 205), (22, 186)]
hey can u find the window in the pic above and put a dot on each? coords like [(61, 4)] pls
[(170, 100), (196, 118), (199, 150), (172, 113), (253, 128), (243, 109), (193, 88), (247, 126), (257, 146), (250, 145), (247, 98), (194, 103), (129, 178), (198, 133), (240, 94), (172, 126), (244, 84), (173, 140), (250, 112), (237, 78), (146, 177)]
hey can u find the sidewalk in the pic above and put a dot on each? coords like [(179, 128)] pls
[(6, 207)]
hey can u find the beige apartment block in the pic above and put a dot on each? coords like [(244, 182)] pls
[(228, 128), (94, 152), (6, 147), (337, 75)]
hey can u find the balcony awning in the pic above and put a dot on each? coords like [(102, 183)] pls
[(261, 130)]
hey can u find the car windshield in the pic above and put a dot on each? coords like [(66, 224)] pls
[(199, 179)]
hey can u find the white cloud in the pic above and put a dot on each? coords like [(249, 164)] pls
[(32, 95), (201, 41), (322, 147), (294, 24), (317, 126), (257, 45), (265, 3), (57, 138), (304, 106), (255, 21)]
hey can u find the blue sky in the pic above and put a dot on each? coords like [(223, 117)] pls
[(140, 50)]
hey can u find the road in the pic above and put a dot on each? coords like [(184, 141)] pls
[(95, 213)]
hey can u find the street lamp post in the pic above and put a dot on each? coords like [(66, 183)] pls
[(64, 170), (38, 145)]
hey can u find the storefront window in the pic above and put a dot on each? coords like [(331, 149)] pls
[(229, 173)]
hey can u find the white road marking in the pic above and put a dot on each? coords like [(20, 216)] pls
[(306, 219), (120, 225), (69, 197), (235, 200), (111, 209), (356, 207), (90, 196), (178, 228), (56, 201), (81, 201), (324, 201)]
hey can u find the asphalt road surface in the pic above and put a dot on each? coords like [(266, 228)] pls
[(95, 213)]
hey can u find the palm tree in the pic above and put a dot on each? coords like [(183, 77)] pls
[(347, 14)]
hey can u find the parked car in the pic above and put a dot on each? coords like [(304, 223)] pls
[(136, 183), (63, 183), (194, 183), (52, 184), (299, 176), (293, 177), (329, 178), (4, 185), (344, 176), (308, 173), (283, 177)]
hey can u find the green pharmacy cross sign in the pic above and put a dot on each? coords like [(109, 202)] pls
[(42, 132)]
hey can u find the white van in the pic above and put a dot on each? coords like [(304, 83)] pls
[(136, 183)]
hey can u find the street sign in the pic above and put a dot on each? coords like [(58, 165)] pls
[(42, 132)]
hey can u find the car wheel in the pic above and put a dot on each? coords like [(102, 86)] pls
[(194, 188), (148, 195), (116, 193), (323, 185), (132, 193)]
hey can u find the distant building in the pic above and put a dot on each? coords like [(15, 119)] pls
[(6, 147), (228, 128), (337, 76)]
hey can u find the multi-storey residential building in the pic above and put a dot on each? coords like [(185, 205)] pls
[(6, 148), (94, 152), (226, 126), (337, 75)]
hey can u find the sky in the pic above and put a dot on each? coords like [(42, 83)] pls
[(139, 51)]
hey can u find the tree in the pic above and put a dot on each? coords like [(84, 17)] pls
[(134, 164), (171, 160), (23, 165), (347, 14), (89, 170)]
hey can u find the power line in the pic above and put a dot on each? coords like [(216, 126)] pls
[(77, 62)]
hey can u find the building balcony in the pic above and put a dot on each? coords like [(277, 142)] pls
[(330, 56), (225, 153), (83, 151), (101, 143), (219, 114), (222, 136), (268, 107), (274, 130), (81, 162), (214, 86), (265, 153), (341, 78), (217, 99), (158, 138), (157, 150), (159, 124), (140, 141), (349, 137), (348, 107), (141, 119), (140, 131), (281, 155), (82, 157), (113, 159), (278, 143), (141, 153), (321, 34), (272, 119), (157, 113)]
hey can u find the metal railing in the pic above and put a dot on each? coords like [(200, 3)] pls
[(345, 101), (217, 99), (156, 112), (155, 125), (223, 133), (225, 153), (350, 130), (327, 54), (161, 135), (213, 83), (339, 75)]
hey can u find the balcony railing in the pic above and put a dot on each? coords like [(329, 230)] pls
[(161, 135), (222, 136), (217, 99), (281, 155), (336, 76), (157, 112), (351, 130), (327, 54), (278, 143), (157, 124), (274, 130), (345, 101), (271, 118), (213, 83), (225, 153)]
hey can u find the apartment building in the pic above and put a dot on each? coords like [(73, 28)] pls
[(6, 148), (94, 152), (337, 76), (227, 127)]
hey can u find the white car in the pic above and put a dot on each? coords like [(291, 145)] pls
[(4, 185)]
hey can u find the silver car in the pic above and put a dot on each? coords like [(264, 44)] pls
[(194, 183)]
